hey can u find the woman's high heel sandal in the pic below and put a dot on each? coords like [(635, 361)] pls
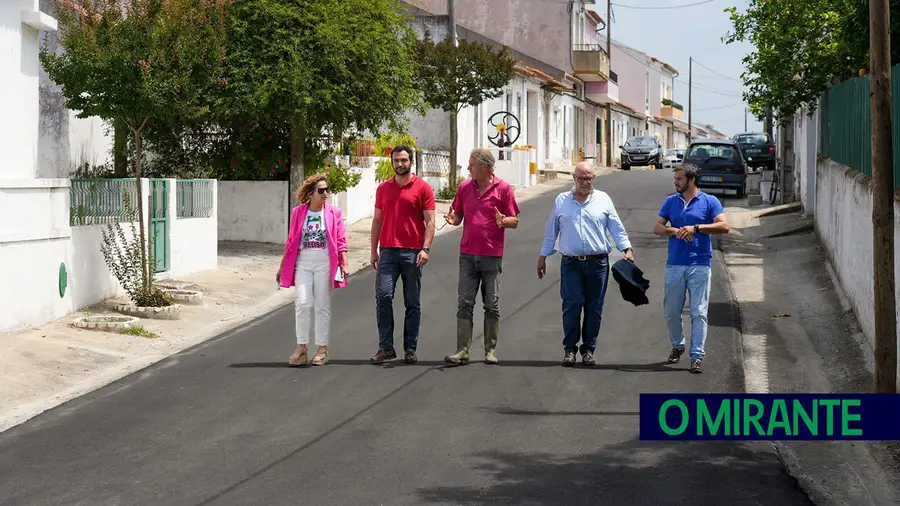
[(298, 358), (321, 357)]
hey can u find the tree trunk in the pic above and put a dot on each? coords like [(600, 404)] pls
[(145, 281), (120, 149), (454, 140), (298, 155)]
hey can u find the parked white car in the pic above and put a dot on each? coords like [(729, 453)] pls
[(673, 158)]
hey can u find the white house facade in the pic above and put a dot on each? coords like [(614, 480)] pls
[(51, 225)]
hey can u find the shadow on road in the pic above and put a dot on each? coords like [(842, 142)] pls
[(722, 314), (524, 412), (653, 367), (634, 472)]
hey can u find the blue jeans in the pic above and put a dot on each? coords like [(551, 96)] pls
[(695, 281), (394, 264), (582, 287)]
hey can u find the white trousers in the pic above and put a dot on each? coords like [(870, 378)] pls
[(312, 278)]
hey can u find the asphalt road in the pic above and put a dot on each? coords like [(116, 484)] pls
[(229, 423)]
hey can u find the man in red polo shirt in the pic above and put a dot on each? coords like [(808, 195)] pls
[(404, 227), (487, 206)]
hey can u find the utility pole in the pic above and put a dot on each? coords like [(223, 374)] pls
[(745, 119), (882, 198), (609, 162), (451, 12), (690, 102), (453, 116)]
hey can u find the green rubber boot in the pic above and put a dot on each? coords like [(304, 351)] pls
[(491, 334), (463, 343)]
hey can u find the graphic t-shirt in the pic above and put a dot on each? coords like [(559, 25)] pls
[(314, 232)]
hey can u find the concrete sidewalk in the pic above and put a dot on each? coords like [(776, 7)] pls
[(46, 366), (800, 335)]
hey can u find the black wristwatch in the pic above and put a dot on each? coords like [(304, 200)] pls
[(696, 229), (427, 250)]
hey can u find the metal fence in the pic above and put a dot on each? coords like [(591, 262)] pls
[(845, 124), (194, 198), (435, 163), (102, 201)]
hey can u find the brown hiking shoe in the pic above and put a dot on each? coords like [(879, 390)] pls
[(675, 356), (697, 366), (382, 356), (410, 357)]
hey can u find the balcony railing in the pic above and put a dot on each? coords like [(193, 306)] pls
[(588, 47), (590, 62)]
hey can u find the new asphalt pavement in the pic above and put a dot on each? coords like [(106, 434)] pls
[(228, 422)]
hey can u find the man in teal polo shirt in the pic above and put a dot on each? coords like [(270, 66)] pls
[(688, 218)]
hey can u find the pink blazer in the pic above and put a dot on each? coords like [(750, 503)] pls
[(336, 237)]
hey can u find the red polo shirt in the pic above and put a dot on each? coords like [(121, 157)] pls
[(481, 235), (403, 208)]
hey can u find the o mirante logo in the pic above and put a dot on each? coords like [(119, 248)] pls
[(769, 416)]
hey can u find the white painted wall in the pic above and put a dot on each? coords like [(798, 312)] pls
[(32, 249), (358, 203), (259, 211), (253, 211), (90, 280), (33, 243), (806, 143), (35, 238), (66, 142), (193, 242), (514, 168), (844, 225), (19, 98)]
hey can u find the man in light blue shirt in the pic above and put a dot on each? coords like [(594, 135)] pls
[(580, 219)]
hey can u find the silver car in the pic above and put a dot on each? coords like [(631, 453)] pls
[(673, 158)]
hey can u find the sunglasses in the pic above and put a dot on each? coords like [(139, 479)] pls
[(321, 191)]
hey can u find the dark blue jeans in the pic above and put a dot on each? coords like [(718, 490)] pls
[(582, 287), (394, 264)]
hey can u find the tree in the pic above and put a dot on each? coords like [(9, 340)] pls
[(451, 77), (801, 46), (321, 66), (139, 62)]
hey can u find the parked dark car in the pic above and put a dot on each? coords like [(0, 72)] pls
[(721, 162), (758, 149), (641, 151)]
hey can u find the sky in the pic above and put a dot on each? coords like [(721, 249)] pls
[(672, 33)]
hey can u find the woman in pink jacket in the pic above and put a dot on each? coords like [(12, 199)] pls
[(315, 260)]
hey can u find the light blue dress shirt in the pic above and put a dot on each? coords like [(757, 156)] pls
[(581, 228)]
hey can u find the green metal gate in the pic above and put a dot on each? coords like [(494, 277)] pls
[(159, 223)]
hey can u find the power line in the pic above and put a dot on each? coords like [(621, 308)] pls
[(642, 61), (719, 107), (664, 7), (699, 87), (712, 90), (718, 73)]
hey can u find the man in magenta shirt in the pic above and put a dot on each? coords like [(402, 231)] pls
[(487, 206)]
